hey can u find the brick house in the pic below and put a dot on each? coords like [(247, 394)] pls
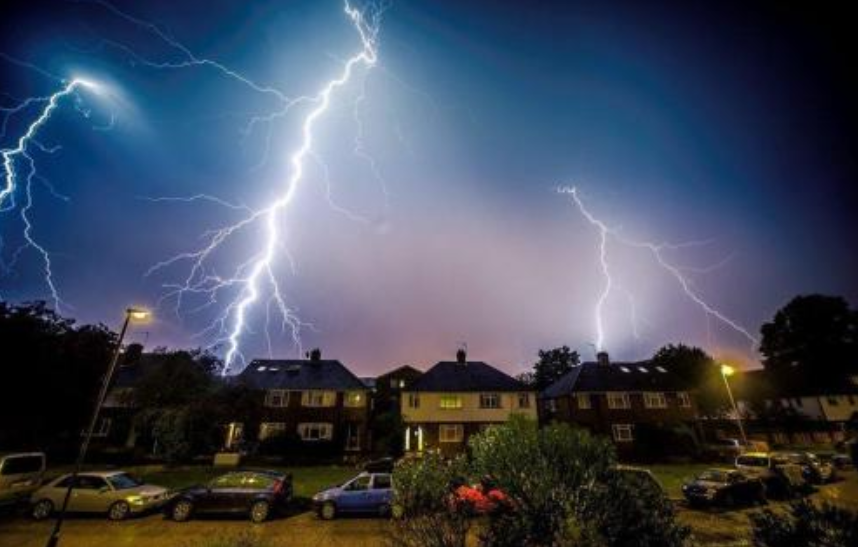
[(455, 399), (616, 399), (318, 401)]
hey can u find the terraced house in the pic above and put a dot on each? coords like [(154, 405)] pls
[(455, 399), (318, 400), (619, 399)]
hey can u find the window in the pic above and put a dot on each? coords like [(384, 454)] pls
[(618, 399), (230, 480), (90, 482), (450, 402), (276, 398), (684, 399), (318, 398), (524, 400), (271, 429), (583, 400), (352, 437), (622, 433), (489, 400), (381, 482), (103, 428), (413, 400), (654, 399), (316, 431), (355, 399), (359, 484), (451, 433)]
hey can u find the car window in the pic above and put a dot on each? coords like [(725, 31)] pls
[(21, 464), (230, 480), (360, 483), (753, 461), (90, 482), (257, 481), (123, 481), (714, 476), (381, 482)]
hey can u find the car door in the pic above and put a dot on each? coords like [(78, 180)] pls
[(355, 495), (91, 494), (381, 492), (222, 493)]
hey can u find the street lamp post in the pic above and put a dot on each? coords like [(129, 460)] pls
[(727, 370), (134, 314)]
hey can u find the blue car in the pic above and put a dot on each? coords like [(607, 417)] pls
[(368, 493)]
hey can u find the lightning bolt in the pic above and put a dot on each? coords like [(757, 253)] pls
[(255, 278), (657, 251), (20, 154)]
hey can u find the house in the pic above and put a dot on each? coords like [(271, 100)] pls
[(793, 410), (619, 400), (455, 399), (385, 416), (115, 427), (318, 401)]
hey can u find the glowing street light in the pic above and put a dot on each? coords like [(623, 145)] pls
[(727, 370), (136, 315)]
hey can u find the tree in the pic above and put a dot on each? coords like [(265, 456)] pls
[(700, 371), (552, 365), (51, 375), (812, 333), (806, 523)]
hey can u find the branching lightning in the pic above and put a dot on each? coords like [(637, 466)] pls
[(15, 181), (657, 251), (255, 278)]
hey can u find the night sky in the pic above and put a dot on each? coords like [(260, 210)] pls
[(733, 126)]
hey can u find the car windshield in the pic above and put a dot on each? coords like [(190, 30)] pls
[(123, 481), (714, 476)]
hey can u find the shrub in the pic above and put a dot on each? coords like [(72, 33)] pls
[(806, 525)]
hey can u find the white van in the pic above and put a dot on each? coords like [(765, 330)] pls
[(20, 475)]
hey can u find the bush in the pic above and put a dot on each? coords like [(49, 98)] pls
[(806, 525)]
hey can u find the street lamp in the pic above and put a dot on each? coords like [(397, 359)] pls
[(727, 370), (131, 314)]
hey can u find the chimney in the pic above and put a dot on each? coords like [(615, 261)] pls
[(315, 355), (133, 353), (462, 357), (602, 358)]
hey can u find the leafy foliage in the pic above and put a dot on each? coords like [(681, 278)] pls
[(552, 365), (696, 368), (806, 524)]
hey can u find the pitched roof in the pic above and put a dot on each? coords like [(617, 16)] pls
[(299, 374), (403, 369), (469, 376), (637, 376), (129, 374)]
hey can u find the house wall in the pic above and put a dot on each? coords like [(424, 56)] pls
[(430, 408), (838, 408)]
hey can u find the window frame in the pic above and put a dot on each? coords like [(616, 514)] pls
[(489, 396), (349, 403), (583, 398), (683, 399), (623, 396), (458, 428), (618, 433), (457, 400), (325, 431)]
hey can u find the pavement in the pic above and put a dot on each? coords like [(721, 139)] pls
[(711, 527)]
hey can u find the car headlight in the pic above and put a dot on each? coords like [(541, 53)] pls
[(136, 500)]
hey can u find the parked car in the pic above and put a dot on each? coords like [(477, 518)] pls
[(724, 487), (782, 478), (20, 475), (838, 461), (368, 493), (258, 494), (725, 449), (115, 493), (815, 470)]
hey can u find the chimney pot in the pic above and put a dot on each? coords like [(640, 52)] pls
[(315, 354), (462, 357), (602, 358)]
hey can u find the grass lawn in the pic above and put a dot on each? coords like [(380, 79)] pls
[(306, 481)]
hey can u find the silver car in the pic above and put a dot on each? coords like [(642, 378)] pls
[(115, 493)]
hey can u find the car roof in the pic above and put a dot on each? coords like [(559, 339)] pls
[(20, 454), (102, 474), (756, 454)]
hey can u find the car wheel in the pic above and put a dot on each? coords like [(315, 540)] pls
[(328, 510), (119, 511), (259, 511), (182, 511), (42, 509)]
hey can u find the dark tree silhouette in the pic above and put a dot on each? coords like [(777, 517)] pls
[(552, 365), (698, 369)]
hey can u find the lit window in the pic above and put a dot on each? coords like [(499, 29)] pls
[(276, 398), (413, 400), (684, 399), (316, 431), (654, 399), (489, 400), (618, 399), (451, 433), (450, 402), (583, 400), (524, 400), (318, 398), (622, 433), (355, 399)]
